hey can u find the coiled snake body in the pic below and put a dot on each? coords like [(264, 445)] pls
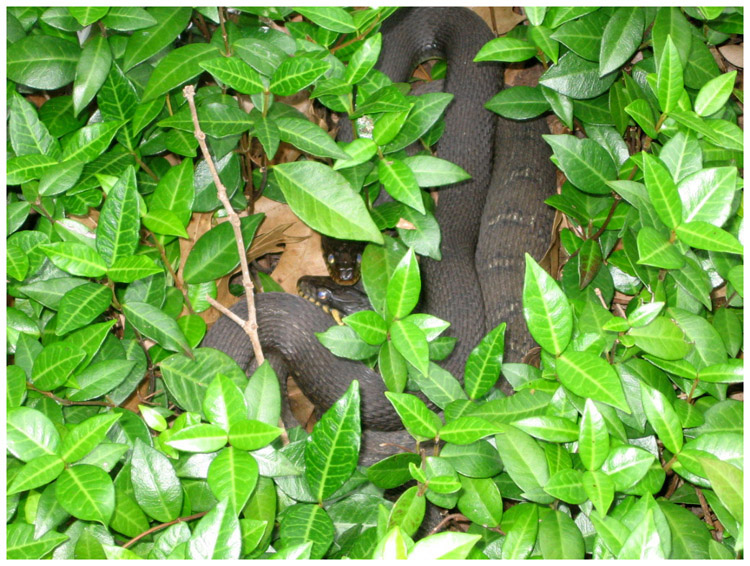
[(487, 223)]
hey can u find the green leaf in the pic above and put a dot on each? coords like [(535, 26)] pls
[(99, 378), (593, 441), (304, 523), (75, 258), (662, 191), (599, 489), (640, 110), (559, 537), (408, 512), (86, 436), (59, 179), (129, 269), (411, 343), (252, 434), (363, 59), (730, 372), (91, 71), (621, 37), (308, 137), (369, 325), (233, 475), (546, 309), (401, 183), (42, 61), (217, 535), (324, 200), (662, 417), (223, 404), (215, 253), (583, 36), (404, 286), (330, 17), (521, 525), (54, 364), (644, 542), (707, 195), (187, 380), (567, 485), (22, 542), (656, 250), (263, 56), (417, 418), (344, 342), (235, 73), (425, 111), (626, 465), (525, 462), (577, 78), (467, 430), (332, 451), (506, 49), (720, 132), (519, 103), (444, 546), (480, 501), (670, 84), (705, 236), (17, 262), (81, 305), (89, 142), (88, 15), (30, 434), (541, 36), (118, 230), (87, 493), (200, 438), (38, 472), (156, 487), (484, 363), (28, 134), (714, 94), (178, 67), (124, 18), (590, 376), (727, 481), (432, 171), (170, 22), (297, 73), (156, 324), (165, 222), (25, 168), (585, 163)]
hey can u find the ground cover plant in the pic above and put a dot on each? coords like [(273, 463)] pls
[(126, 439)]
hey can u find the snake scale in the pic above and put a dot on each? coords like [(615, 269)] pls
[(487, 223)]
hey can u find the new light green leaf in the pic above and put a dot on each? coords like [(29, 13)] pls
[(591, 376), (714, 94), (144, 43), (91, 71), (669, 84), (662, 417), (178, 67), (621, 37)]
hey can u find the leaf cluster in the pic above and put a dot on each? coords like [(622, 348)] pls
[(126, 439)]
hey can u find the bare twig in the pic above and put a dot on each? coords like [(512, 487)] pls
[(161, 526), (250, 326)]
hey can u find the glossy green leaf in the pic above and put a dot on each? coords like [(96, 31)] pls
[(662, 417), (577, 78), (369, 325), (585, 163), (332, 452), (307, 524), (411, 343), (435, 172), (620, 38), (506, 49), (331, 17), (670, 77), (590, 376), (129, 269), (81, 305), (425, 111), (30, 434), (714, 94), (86, 436), (307, 137), (28, 134), (233, 475), (325, 201), (235, 73), (178, 67), (123, 18), (87, 493), (662, 191), (484, 363), (417, 418), (119, 223), (54, 364), (363, 59), (626, 465), (404, 286), (215, 253), (408, 511), (156, 324), (640, 110), (704, 236), (400, 182), (144, 43), (297, 73), (37, 473), (546, 309), (559, 537), (480, 501), (42, 61), (656, 250), (89, 142), (707, 194), (519, 103), (467, 430), (252, 434), (726, 480), (567, 485), (91, 71), (99, 378), (76, 259), (525, 462)]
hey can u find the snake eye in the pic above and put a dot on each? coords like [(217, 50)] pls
[(359, 258), (331, 259), (324, 294)]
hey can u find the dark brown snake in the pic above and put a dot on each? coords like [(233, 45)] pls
[(487, 224)]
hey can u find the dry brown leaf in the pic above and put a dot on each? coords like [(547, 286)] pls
[(733, 54), (500, 20)]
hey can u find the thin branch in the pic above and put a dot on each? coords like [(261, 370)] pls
[(250, 326), (161, 526), (68, 402)]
